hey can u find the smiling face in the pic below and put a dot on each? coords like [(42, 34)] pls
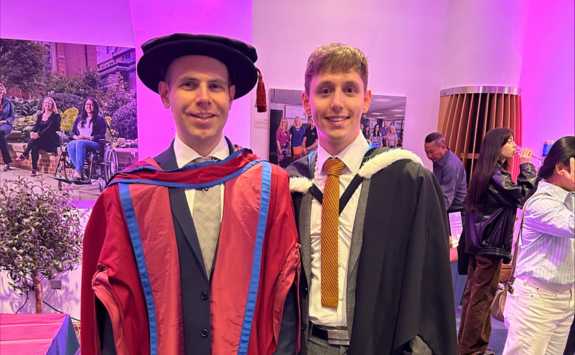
[(198, 92), (89, 107), (336, 101), (47, 105)]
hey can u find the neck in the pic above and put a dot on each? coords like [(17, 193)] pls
[(557, 181), (334, 147), (202, 146), (444, 154)]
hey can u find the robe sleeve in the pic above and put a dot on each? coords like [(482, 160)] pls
[(284, 242), (437, 312)]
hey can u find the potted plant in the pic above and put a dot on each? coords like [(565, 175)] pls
[(40, 234)]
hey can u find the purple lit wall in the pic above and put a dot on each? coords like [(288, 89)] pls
[(108, 22), (484, 43), (547, 75)]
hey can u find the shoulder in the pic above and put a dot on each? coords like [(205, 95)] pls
[(277, 171), (392, 160), (303, 166)]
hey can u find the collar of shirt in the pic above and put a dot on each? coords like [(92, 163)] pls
[(351, 156), (555, 190), (185, 154)]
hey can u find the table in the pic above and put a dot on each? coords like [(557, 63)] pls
[(45, 333)]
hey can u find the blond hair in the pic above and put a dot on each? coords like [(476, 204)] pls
[(335, 57), (51, 99)]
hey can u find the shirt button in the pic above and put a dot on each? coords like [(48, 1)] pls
[(204, 296), (204, 333)]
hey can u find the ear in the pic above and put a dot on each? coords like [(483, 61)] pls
[(164, 91), (306, 104), (367, 101)]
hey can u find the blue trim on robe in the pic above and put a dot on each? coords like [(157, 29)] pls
[(134, 231), (256, 261)]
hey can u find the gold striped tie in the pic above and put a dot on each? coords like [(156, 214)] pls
[(333, 168)]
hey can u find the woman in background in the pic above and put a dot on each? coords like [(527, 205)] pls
[(540, 311), (44, 135), (391, 136), (89, 131), (490, 206), (283, 140), (376, 136)]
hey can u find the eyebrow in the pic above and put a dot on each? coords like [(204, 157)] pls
[(330, 82), (194, 79)]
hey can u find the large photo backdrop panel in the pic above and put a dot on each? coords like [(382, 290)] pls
[(51, 89)]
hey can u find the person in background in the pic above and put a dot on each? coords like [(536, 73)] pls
[(311, 141), (297, 138), (490, 208), (376, 136), (540, 311), (283, 140), (6, 119), (448, 170), (391, 139), (88, 133), (44, 134)]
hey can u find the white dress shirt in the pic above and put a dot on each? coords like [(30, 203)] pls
[(547, 245), (185, 154), (352, 157)]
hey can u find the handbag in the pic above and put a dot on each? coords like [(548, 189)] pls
[(505, 287)]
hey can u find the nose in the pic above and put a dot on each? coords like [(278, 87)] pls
[(336, 102), (204, 99)]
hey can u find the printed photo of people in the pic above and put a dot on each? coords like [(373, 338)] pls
[(292, 134), (68, 113)]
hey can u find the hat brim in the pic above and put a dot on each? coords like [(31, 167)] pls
[(154, 64)]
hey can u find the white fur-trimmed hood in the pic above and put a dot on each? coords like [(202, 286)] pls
[(373, 165)]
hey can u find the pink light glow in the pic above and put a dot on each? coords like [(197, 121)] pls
[(547, 84)]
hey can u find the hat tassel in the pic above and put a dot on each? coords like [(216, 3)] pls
[(261, 102)]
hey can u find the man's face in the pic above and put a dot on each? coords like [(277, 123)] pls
[(435, 151), (336, 101), (198, 92)]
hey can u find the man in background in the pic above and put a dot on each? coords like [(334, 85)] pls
[(448, 171)]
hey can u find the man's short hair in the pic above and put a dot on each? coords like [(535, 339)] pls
[(435, 137), (335, 57)]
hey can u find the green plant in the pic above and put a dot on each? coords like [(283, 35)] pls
[(40, 234), (22, 64), (124, 121)]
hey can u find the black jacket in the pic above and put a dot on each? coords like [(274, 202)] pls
[(98, 128), (404, 297), (48, 131), (488, 229)]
